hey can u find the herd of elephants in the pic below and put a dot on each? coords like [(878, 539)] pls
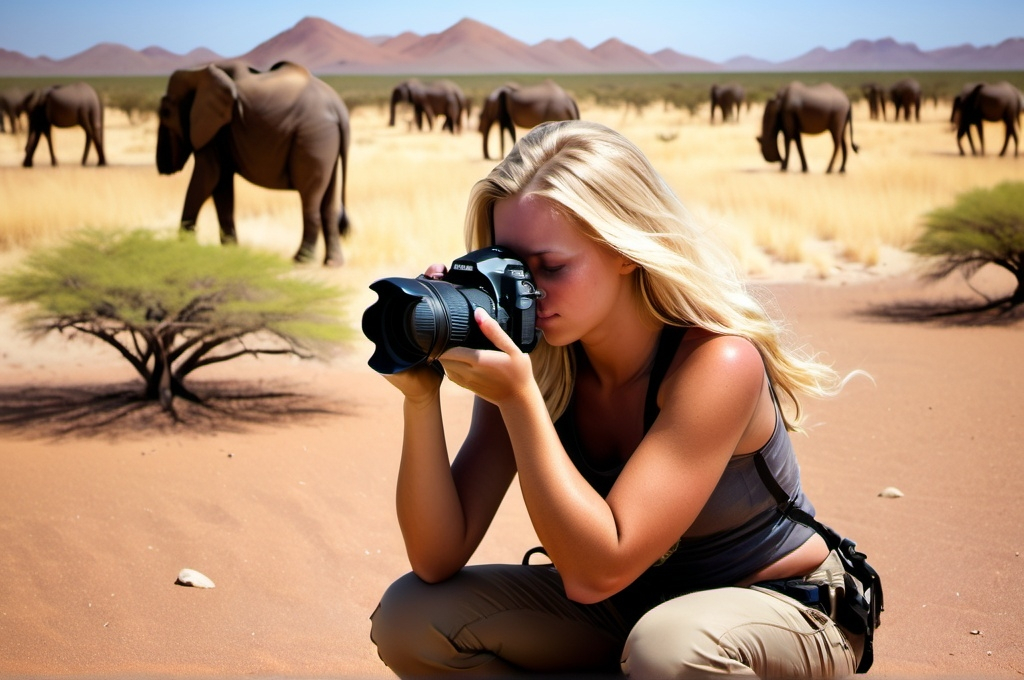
[(286, 129)]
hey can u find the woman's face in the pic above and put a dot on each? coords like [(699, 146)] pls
[(585, 284)]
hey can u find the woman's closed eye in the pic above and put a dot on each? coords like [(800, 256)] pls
[(552, 268)]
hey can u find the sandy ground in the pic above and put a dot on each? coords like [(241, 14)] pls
[(286, 503)]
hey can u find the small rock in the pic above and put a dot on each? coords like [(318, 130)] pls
[(191, 577), (890, 492), (975, 632)]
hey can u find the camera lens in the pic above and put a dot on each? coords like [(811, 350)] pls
[(416, 320)]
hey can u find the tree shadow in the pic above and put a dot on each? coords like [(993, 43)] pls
[(951, 312), (116, 410)]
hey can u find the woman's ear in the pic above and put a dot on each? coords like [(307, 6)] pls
[(628, 267)]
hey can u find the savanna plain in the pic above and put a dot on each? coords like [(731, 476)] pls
[(286, 503)]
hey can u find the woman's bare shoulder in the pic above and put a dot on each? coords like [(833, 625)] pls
[(715, 365)]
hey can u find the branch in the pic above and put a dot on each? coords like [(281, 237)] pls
[(111, 340), (201, 356)]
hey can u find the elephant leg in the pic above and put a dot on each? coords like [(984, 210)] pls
[(224, 202), (311, 229), (200, 187), (330, 224), (838, 142), (30, 148), (88, 143), (49, 145), (97, 141), (798, 139)]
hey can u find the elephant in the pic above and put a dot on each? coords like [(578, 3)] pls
[(992, 102), (905, 94), (799, 109), (727, 98), (442, 97), (279, 129), (875, 95), (64, 106), (12, 103), (512, 105)]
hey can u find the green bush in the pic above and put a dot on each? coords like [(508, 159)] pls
[(171, 306), (983, 226)]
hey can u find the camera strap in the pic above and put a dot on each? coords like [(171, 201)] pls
[(861, 609)]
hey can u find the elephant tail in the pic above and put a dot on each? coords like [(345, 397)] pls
[(343, 153), (849, 121)]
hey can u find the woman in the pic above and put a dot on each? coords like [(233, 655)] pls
[(642, 429)]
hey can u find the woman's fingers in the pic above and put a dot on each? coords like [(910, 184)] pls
[(493, 332), (435, 271)]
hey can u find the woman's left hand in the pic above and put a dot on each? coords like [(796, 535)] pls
[(495, 376)]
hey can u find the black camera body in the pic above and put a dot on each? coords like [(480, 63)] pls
[(414, 321)]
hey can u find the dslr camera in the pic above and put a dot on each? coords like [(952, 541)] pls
[(414, 321)]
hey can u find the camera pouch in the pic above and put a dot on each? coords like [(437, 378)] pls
[(860, 606)]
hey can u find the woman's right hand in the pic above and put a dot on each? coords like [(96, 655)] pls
[(423, 382)]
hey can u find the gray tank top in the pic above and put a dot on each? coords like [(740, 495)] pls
[(738, 532)]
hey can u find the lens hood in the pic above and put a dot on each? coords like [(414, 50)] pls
[(414, 321), (391, 323)]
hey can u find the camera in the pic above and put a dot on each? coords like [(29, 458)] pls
[(414, 321)]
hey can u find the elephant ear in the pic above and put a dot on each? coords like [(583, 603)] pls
[(212, 109), (34, 99)]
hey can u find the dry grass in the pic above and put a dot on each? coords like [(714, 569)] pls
[(407, 193)]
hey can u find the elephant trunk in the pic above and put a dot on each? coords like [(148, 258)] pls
[(769, 138), (396, 96), (172, 152)]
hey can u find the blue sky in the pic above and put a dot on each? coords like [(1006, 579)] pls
[(711, 29)]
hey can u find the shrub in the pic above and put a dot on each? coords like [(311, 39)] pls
[(983, 226), (171, 306), (137, 104)]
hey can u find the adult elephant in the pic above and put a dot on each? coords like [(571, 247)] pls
[(993, 102), (875, 96), (799, 109), (64, 106), (429, 100), (512, 105), (906, 95), (12, 101), (728, 99), (280, 129)]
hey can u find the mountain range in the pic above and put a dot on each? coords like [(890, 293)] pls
[(470, 46)]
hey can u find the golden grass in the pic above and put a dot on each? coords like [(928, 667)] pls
[(407, 191)]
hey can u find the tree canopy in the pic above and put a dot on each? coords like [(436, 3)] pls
[(171, 306), (983, 226)]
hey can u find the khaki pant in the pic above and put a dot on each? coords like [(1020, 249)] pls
[(501, 620)]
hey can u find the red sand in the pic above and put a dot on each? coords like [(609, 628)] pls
[(290, 512)]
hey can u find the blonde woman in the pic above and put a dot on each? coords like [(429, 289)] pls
[(650, 443)]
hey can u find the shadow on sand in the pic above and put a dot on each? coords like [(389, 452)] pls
[(952, 312), (116, 410)]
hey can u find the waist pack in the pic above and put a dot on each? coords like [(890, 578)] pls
[(859, 610)]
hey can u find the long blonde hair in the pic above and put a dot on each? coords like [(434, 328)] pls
[(685, 276)]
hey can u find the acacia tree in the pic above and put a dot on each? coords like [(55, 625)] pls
[(171, 306), (983, 226)]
